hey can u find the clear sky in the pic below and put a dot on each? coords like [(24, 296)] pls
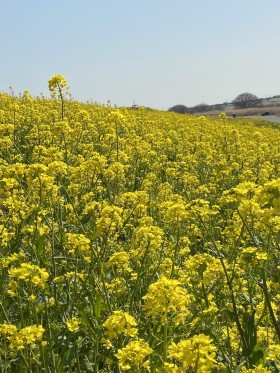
[(157, 52)]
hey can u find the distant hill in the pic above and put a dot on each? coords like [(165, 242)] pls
[(269, 104)]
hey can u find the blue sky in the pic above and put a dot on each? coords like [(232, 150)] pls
[(156, 52)]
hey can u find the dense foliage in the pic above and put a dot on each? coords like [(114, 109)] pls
[(136, 240)]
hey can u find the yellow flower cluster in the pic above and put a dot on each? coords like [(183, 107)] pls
[(133, 356), (120, 260), (166, 298), (120, 323), (29, 274), (6, 261), (78, 244), (73, 324), (258, 369), (27, 337), (196, 354), (58, 85)]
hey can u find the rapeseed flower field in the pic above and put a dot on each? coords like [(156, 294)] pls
[(136, 240)]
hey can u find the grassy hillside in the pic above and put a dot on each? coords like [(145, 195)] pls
[(136, 240)]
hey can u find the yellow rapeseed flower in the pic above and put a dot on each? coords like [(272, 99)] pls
[(133, 356), (120, 322), (73, 324), (77, 244), (166, 298), (25, 337), (197, 353), (30, 273)]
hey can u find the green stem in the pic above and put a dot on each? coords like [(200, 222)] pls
[(50, 337), (175, 252), (104, 288), (77, 355), (264, 285), (229, 283), (196, 362), (25, 361), (53, 258), (165, 341), (62, 102), (204, 293), (139, 273), (4, 312), (268, 302), (20, 310)]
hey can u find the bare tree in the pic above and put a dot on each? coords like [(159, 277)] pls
[(245, 100)]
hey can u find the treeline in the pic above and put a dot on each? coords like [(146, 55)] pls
[(243, 101), (201, 108)]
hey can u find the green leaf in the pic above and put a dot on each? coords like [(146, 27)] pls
[(99, 306)]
